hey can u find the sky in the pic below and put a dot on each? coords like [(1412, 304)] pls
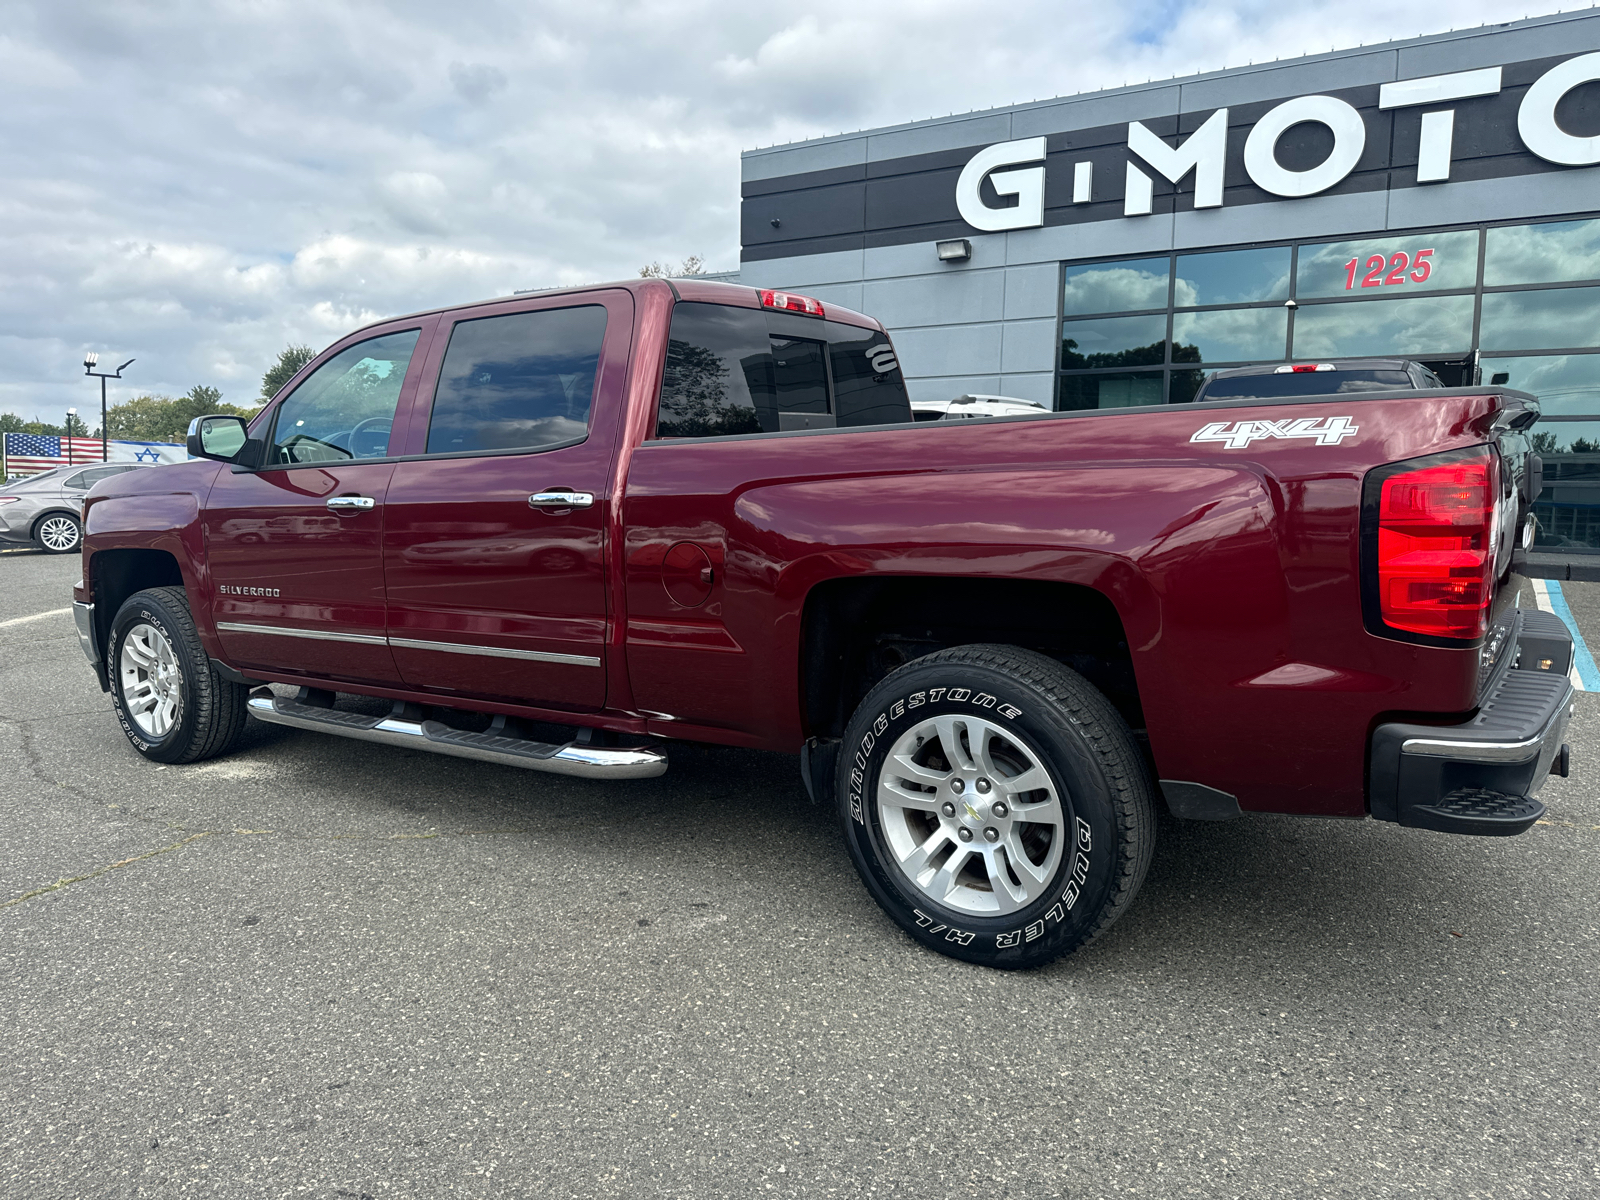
[(198, 185)]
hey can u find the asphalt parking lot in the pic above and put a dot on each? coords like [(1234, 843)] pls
[(324, 969)]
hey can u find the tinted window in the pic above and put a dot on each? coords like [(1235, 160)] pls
[(1232, 277), (1232, 334), (1114, 342), (1422, 262), (80, 481), (1566, 384), (1384, 328), (799, 376), (1552, 320), (728, 373), (718, 363), (519, 381), (1111, 390), (1554, 252), (1116, 286), (344, 408), (867, 386), (1304, 383)]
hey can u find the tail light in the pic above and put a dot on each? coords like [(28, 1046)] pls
[(789, 302), (1435, 546)]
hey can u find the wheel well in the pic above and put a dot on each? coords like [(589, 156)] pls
[(858, 630), (118, 574)]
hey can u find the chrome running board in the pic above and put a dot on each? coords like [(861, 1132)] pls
[(574, 758)]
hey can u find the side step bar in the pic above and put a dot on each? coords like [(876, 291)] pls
[(575, 758)]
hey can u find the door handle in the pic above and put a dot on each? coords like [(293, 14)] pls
[(561, 499), (350, 504)]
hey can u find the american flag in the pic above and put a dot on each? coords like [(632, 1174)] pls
[(30, 453)]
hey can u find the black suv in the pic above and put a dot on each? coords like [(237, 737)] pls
[(1278, 380)]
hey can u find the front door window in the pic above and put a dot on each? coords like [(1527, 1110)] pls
[(345, 409)]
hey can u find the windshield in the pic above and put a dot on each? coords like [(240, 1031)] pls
[(1302, 383)]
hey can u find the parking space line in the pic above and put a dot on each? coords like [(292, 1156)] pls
[(54, 612), (1585, 675)]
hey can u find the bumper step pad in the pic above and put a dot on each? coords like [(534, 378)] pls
[(1480, 811)]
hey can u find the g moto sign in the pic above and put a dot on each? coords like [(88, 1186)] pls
[(1018, 168)]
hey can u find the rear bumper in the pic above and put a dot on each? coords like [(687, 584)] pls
[(1482, 775)]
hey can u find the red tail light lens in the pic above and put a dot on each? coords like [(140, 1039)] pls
[(1436, 548), (789, 302)]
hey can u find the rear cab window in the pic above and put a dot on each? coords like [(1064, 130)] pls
[(732, 371), (1304, 383)]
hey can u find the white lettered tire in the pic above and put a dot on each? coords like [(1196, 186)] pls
[(172, 704), (995, 805)]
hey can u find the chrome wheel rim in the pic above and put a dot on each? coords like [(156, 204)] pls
[(59, 533), (152, 682), (971, 817)]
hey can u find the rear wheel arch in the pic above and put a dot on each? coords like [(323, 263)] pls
[(855, 631)]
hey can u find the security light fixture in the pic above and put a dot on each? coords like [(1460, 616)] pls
[(89, 362), (955, 250)]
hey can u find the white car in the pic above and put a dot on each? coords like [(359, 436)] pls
[(964, 408)]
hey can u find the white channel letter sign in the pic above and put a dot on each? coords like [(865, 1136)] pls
[(1026, 185), (1204, 152)]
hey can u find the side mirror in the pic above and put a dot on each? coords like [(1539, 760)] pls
[(219, 438)]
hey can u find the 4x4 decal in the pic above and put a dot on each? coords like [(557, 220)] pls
[(1329, 431)]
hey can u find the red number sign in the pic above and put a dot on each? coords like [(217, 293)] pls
[(1379, 271)]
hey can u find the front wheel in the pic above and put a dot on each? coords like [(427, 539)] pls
[(172, 704), (995, 805), (59, 533)]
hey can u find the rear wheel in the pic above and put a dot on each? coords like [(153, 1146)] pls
[(59, 533), (172, 704), (996, 805)]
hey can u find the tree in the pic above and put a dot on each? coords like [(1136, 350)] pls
[(290, 360), (693, 265), (11, 423), (75, 426), (164, 419)]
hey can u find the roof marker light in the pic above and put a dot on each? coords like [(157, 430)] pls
[(790, 302)]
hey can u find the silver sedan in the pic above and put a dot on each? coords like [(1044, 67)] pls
[(46, 510)]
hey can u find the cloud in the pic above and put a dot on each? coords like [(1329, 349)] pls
[(198, 184)]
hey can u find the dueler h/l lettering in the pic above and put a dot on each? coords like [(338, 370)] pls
[(563, 531)]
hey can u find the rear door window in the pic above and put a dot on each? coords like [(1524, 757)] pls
[(742, 370), (518, 381)]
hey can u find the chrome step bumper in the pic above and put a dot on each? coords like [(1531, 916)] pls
[(587, 762)]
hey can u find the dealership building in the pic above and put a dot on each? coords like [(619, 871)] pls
[(1437, 199)]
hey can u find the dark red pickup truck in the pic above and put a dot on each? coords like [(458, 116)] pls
[(560, 531)]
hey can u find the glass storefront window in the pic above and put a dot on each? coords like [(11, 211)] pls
[(1389, 266), (1114, 342), (1566, 384), (1111, 390), (1116, 286), (1569, 437), (1542, 320), (1232, 335), (1384, 328), (1552, 252), (1232, 277)]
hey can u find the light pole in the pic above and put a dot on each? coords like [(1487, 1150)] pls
[(89, 361), (71, 412)]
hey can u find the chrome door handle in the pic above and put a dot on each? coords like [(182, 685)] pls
[(348, 504), (561, 500)]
